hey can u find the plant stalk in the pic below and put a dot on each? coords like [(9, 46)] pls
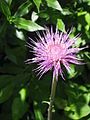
[(53, 90)]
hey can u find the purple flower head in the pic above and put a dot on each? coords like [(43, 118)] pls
[(53, 50)]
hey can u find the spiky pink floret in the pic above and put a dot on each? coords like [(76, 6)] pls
[(52, 50)]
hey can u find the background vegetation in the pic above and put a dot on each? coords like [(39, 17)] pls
[(22, 95)]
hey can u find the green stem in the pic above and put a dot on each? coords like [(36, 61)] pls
[(53, 89)]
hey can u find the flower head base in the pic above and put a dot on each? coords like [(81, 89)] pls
[(52, 50)]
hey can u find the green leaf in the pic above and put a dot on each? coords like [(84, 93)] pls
[(87, 18), (10, 68), (79, 111), (87, 54), (37, 3), (9, 2), (19, 108), (23, 9), (34, 16), (60, 103), (87, 27), (10, 84), (81, 13), (23, 94), (20, 35), (10, 55), (72, 72), (54, 4), (37, 111), (28, 25), (5, 80), (5, 93), (44, 15), (60, 25), (13, 56), (78, 101), (66, 12), (5, 8)]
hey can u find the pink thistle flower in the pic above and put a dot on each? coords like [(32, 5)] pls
[(53, 50)]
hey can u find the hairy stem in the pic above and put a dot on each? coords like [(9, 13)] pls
[(53, 89)]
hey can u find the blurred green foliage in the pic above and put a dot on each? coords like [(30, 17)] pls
[(22, 95)]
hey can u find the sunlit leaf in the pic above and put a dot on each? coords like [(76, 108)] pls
[(87, 27), (37, 3), (87, 18), (54, 4), (23, 94), (28, 25), (66, 12), (34, 16), (78, 101), (60, 25), (20, 35), (78, 111), (81, 13)]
